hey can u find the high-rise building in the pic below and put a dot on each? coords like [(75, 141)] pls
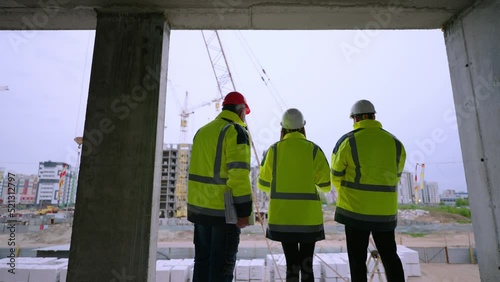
[(50, 176), (406, 187), (430, 193), (169, 174), (68, 196)]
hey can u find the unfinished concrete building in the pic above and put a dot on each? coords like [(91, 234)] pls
[(171, 170)]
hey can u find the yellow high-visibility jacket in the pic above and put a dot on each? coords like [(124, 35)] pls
[(366, 167), (291, 173), (220, 160)]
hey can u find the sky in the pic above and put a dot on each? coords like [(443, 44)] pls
[(322, 73)]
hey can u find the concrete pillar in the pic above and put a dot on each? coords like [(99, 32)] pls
[(473, 44), (115, 227)]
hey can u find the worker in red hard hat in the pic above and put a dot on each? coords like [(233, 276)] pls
[(365, 169), (236, 98), (219, 167)]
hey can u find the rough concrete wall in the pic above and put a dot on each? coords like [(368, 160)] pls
[(472, 42), (115, 224)]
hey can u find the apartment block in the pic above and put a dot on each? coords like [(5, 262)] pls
[(430, 193), (25, 188), (49, 178), (406, 188)]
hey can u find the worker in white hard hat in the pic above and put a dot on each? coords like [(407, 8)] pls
[(366, 166), (293, 173)]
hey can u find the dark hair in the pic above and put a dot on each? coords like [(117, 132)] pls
[(365, 116), (235, 108), (285, 131)]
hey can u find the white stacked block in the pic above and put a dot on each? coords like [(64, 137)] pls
[(257, 268), (179, 273), (271, 268), (21, 273), (410, 260), (163, 272), (45, 273), (342, 266), (64, 274), (188, 262), (414, 269), (242, 270), (316, 265)]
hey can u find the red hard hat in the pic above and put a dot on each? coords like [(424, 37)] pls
[(235, 98)]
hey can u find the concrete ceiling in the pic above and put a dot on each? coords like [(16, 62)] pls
[(238, 14)]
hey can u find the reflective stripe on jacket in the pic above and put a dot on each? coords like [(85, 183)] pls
[(220, 160), (290, 173), (366, 166)]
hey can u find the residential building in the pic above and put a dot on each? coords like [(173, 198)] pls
[(430, 193), (25, 188), (51, 175), (406, 188)]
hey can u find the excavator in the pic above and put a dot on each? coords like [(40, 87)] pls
[(48, 209)]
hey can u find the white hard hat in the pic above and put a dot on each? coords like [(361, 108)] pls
[(293, 119), (362, 107)]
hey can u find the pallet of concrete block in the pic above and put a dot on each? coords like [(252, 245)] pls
[(410, 260), (250, 270), (333, 267), (276, 268), (26, 269), (174, 270)]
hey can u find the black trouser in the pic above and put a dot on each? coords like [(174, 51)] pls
[(299, 258), (357, 245)]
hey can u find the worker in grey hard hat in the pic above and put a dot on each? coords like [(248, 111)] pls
[(367, 164), (362, 109), (292, 120)]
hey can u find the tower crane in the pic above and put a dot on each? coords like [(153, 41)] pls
[(225, 84), (183, 151)]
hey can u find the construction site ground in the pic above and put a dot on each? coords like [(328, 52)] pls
[(425, 230)]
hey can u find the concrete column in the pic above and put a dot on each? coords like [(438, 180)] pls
[(116, 217), (473, 44)]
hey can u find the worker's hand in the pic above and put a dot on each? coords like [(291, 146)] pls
[(242, 222)]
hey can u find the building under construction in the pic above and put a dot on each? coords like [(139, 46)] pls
[(174, 171), (174, 178)]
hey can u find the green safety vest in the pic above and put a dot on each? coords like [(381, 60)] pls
[(291, 172), (220, 160)]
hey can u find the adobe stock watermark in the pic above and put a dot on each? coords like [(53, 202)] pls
[(121, 108), (365, 35), (39, 20), (223, 6), (483, 90)]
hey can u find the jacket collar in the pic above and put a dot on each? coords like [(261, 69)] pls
[(367, 123), (294, 135), (225, 114)]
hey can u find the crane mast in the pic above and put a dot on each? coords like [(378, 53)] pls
[(418, 185)]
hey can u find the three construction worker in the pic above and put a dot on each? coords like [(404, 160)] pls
[(291, 173), (220, 161), (366, 166)]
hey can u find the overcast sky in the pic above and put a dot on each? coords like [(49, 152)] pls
[(322, 73)]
